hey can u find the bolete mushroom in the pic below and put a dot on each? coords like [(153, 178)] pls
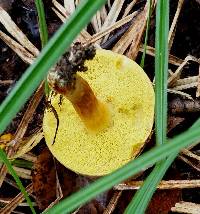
[(105, 116)]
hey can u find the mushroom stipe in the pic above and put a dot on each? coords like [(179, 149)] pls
[(105, 118)]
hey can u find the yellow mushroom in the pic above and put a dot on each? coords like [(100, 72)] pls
[(105, 117)]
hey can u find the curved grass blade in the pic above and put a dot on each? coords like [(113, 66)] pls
[(15, 176), (145, 193), (43, 34), (143, 196), (36, 72), (161, 69), (147, 159), (42, 22), (47, 58), (22, 163)]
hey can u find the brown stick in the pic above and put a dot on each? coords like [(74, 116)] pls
[(180, 106), (113, 202), (171, 184), (15, 201), (186, 207)]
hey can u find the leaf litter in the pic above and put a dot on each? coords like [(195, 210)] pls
[(105, 24)]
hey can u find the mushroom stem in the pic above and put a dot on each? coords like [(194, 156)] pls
[(64, 80), (94, 113)]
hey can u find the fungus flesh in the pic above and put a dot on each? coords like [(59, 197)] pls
[(101, 141)]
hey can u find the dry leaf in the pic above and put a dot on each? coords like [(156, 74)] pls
[(132, 36), (163, 201), (28, 144), (173, 122), (44, 179)]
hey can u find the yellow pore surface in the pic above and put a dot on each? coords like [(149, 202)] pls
[(124, 87)]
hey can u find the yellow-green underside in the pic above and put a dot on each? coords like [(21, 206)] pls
[(123, 85)]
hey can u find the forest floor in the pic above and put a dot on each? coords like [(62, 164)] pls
[(33, 160)]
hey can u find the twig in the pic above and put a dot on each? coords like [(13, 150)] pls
[(29, 157), (133, 33), (27, 57), (137, 38), (61, 9), (103, 14), (183, 94), (118, 24), (172, 59), (171, 184), (12, 28), (186, 207), (109, 4), (69, 5), (112, 15), (17, 48), (113, 202), (178, 105), (65, 15), (189, 163), (22, 127), (172, 30), (60, 15), (185, 81), (8, 200), (22, 173), (128, 8), (59, 193), (16, 201), (52, 204), (3, 169), (34, 102), (186, 86), (190, 154), (13, 184), (27, 144), (17, 212), (198, 85), (6, 82), (96, 22), (173, 78)]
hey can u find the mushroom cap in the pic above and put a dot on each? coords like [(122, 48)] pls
[(121, 84)]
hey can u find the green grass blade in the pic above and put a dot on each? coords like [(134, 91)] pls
[(48, 57), (146, 34), (42, 22), (133, 167), (141, 199), (161, 69), (36, 72), (143, 195), (43, 33), (13, 173), (22, 163)]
